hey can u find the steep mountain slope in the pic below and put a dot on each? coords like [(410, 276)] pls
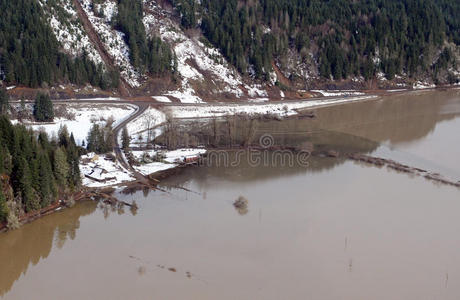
[(203, 69), (33, 53), (194, 51)]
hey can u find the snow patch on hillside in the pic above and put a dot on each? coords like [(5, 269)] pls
[(185, 95), (197, 63), (256, 91), (161, 99), (419, 85), (68, 30), (112, 39)]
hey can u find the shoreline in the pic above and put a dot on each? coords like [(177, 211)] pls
[(79, 195)]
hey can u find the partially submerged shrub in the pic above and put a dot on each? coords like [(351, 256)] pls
[(12, 222), (241, 205), (70, 202)]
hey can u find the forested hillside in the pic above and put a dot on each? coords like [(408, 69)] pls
[(30, 53), (189, 49), (34, 169), (147, 55), (346, 38)]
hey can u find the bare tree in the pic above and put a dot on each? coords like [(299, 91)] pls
[(171, 133), (149, 121)]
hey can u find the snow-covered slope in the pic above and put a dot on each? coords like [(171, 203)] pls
[(64, 22), (200, 66), (112, 39)]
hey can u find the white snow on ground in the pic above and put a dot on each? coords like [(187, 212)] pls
[(259, 100), (338, 93), (283, 109), (112, 39), (172, 158), (381, 76), (194, 59), (98, 99), (151, 118), (153, 168), (85, 116), (256, 91), (423, 85), (101, 169), (161, 99), (68, 30), (397, 90), (185, 95)]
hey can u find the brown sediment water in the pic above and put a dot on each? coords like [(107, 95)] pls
[(329, 229)]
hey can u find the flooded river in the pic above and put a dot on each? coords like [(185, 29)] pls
[(327, 229)]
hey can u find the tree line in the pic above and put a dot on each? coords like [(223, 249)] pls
[(34, 169), (351, 38), (146, 54), (30, 53)]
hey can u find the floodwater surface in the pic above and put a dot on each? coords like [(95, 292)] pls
[(327, 229)]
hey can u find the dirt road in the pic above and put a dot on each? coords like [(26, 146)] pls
[(142, 107)]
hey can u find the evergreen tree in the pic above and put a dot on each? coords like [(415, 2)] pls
[(108, 139), (348, 34), (125, 139), (30, 53), (3, 206), (100, 139), (43, 108), (23, 185), (45, 180), (3, 101), (146, 55), (93, 138), (26, 168), (61, 166), (63, 137), (73, 159)]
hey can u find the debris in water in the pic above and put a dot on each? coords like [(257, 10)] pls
[(134, 208), (241, 205), (141, 270), (172, 269), (379, 162), (332, 153), (134, 205)]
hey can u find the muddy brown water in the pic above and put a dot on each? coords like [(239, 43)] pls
[(334, 229)]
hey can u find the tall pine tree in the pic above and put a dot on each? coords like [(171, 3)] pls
[(43, 108)]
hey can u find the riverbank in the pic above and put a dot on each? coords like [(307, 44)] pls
[(158, 171), (336, 216)]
